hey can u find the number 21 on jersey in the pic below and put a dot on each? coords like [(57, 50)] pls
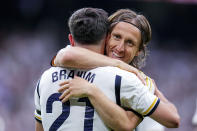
[(88, 118)]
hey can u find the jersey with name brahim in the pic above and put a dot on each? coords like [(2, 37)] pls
[(77, 114)]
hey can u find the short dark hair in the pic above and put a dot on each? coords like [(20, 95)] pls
[(88, 25)]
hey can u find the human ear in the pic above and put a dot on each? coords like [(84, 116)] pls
[(70, 37)]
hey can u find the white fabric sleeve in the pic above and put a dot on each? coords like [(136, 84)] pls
[(136, 96), (149, 82), (37, 113)]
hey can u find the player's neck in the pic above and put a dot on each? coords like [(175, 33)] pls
[(95, 48)]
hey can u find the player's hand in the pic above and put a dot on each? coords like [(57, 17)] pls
[(76, 87), (132, 69)]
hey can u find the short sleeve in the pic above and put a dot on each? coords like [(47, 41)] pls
[(52, 61), (37, 112), (149, 82), (136, 96)]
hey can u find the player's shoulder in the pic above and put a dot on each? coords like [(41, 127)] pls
[(50, 71), (110, 69), (115, 71), (146, 77), (149, 82)]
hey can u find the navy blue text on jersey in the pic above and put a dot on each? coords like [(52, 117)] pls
[(65, 74)]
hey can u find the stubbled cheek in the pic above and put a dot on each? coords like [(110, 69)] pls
[(130, 59)]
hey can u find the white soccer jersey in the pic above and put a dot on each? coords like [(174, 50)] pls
[(149, 124), (77, 114), (149, 82)]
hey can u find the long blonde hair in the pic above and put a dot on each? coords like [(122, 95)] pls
[(139, 21)]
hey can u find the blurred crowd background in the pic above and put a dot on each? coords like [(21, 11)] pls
[(31, 32)]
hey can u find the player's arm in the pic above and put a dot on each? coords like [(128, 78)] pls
[(166, 110), (39, 126), (147, 104), (113, 115), (82, 58), (166, 115)]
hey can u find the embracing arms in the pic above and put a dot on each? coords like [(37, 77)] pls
[(165, 113), (82, 58), (113, 115), (77, 57), (165, 110)]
